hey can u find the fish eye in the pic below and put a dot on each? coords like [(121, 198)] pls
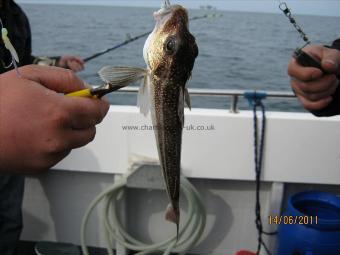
[(170, 45)]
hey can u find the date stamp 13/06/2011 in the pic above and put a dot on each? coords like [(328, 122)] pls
[(292, 220)]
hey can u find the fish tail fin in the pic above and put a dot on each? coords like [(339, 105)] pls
[(172, 215)]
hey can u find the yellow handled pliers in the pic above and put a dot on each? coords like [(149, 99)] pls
[(95, 92)]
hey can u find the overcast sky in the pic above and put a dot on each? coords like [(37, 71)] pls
[(314, 7)]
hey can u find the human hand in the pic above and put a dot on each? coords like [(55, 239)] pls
[(38, 125), (313, 87), (74, 63)]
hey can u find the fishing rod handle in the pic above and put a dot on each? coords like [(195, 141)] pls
[(307, 60)]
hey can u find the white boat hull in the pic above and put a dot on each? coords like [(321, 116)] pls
[(301, 153)]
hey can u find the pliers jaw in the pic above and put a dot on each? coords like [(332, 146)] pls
[(105, 89), (98, 92)]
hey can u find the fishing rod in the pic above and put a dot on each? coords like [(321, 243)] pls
[(127, 41), (132, 39)]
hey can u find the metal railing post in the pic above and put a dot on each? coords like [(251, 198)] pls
[(233, 105)]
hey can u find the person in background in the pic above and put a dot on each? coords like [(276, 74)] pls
[(38, 127), (16, 22), (318, 92)]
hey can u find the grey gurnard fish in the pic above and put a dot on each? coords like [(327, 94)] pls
[(169, 52)]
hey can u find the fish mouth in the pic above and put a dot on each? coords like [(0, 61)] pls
[(163, 14)]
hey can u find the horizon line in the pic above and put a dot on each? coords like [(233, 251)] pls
[(87, 3)]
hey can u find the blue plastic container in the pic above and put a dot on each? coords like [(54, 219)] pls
[(310, 225)]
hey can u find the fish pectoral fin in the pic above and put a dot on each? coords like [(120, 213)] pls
[(121, 76), (187, 98), (181, 106), (143, 98)]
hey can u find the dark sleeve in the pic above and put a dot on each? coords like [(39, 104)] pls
[(24, 38), (28, 58), (334, 107)]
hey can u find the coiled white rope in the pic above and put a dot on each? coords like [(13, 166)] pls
[(189, 234)]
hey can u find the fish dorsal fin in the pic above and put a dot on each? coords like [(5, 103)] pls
[(187, 98), (121, 76), (143, 99)]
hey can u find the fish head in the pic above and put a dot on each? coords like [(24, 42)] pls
[(170, 50)]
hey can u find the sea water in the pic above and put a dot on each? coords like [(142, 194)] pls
[(248, 51)]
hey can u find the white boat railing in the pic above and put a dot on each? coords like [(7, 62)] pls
[(233, 93), (301, 152)]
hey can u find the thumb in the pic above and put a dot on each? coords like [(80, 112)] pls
[(331, 61), (58, 79)]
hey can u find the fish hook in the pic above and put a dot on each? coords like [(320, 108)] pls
[(9, 46), (166, 3)]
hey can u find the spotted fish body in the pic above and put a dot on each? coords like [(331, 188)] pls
[(170, 52)]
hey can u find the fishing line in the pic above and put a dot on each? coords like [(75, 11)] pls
[(287, 12), (166, 3), (302, 57), (130, 40)]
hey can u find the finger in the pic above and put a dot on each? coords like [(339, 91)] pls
[(303, 73), (71, 139), (331, 61), (315, 51), (62, 63), (79, 60), (314, 97), (327, 82), (106, 99), (79, 66), (74, 66), (54, 78), (54, 158), (85, 112), (50, 160), (82, 66), (315, 106), (79, 138), (75, 59), (81, 63)]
